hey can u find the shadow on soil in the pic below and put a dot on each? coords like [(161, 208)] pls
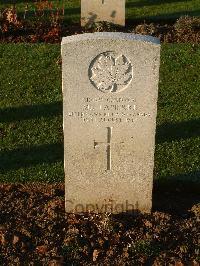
[(176, 194)]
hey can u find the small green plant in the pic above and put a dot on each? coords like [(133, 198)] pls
[(69, 249), (70, 252), (146, 248), (1, 259), (197, 252)]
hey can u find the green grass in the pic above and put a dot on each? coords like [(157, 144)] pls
[(31, 137), (161, 9), (135, 9), (178, 132)]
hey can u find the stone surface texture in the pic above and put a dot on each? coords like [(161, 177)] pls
[(102, 10), (110, 89)]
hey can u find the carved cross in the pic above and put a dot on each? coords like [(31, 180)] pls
[(108, 146)]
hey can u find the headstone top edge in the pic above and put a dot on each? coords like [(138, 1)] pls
[(110, 35)]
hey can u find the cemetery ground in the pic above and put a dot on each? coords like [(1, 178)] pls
[(136, 10), (34, 228), (48, 21)]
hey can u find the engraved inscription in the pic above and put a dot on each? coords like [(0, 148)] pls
[(110, 72), (106, 110)]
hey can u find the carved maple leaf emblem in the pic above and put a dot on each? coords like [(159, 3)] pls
[(111, 73)]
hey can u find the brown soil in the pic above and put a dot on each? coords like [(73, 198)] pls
[(34, 230), (185, 29)]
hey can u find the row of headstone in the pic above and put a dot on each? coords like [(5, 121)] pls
[(110, 89)]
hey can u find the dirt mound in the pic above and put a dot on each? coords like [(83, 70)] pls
[(14, 28), (34, 230)]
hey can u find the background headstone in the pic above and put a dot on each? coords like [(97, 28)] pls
[(110, 88), (102, 10)]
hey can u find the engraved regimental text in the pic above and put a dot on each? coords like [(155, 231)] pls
[(106, 109)]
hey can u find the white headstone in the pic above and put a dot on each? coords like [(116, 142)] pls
[(112, 11), (110, 88)]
